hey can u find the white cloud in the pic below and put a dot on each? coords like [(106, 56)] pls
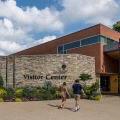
[(46, 39), (18, 26), (7, 47), (40, 41), (31, 18), (90, 11)]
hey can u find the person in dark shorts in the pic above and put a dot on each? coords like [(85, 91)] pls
[(77, 87)]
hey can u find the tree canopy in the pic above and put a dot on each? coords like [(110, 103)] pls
[(116, 26)]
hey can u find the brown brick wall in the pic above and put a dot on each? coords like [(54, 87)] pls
[(51, 46), (108, 32), (110, 65)]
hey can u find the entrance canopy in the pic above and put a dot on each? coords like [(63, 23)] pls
[(113, 50), (114, 54)]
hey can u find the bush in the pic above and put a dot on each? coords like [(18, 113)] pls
[(30, 93), (1, 81), (10, 94), (48, 94), (19, 92), (84, 77), (18, 100), (71, 93), (92, 92), (1, 100), (47, 85), (98, 97), (3, 92)]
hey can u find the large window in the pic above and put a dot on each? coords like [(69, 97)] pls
[(91, 40), (72, 45), (62, 49)]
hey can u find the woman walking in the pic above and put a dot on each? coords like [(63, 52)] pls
[(64, 94)]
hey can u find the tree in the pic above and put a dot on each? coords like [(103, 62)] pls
[(116, 26), (1, 81)]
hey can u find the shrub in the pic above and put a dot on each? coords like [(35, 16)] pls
[(47, 85), (98, 97), (1, 81), (47, 92), (10, 94), (1, 100), (18, 100), (19, 92), (85, 77), (92, 91), (30, 93), (3, 92), (71, 93)]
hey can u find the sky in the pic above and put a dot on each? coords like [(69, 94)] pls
[(26, 23)]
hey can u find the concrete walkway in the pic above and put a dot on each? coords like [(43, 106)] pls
[(107, 109)]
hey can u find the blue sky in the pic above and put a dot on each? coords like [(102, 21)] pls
[(41, 4), (25, 23)]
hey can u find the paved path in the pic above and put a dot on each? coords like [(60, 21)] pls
[(107, 109)]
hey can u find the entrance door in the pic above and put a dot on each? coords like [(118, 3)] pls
[(105, 83), (119, 85)]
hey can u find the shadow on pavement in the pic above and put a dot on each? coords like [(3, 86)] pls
[(56, 106)]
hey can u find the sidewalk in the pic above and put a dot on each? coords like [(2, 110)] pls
[(107, 109)]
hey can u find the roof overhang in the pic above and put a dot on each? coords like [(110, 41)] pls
[(114, 54)]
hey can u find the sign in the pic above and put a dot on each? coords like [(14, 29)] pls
[(47, 77)]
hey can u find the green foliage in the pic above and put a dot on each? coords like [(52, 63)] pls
[(10, 94), (48, 92), (19, 92), (92, 91), (3, 92), (98, 97), (1, 81), (18, 100), (30, 92), (71, 93), (1, 100), (116, 27), (84, 77), (47, 85)]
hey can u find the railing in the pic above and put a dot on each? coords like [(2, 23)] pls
[(111, 47)]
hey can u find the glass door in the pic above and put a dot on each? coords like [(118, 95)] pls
[(105, 83)]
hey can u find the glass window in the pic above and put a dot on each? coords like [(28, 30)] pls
[(103, 39), (91, 40), (72, 45), (60, 49)]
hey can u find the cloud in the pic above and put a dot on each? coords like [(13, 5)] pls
[(19, 26), (31, 18), (40, 41), (7, 47), (90, 11)]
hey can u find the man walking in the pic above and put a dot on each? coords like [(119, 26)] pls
[(77, 87)]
